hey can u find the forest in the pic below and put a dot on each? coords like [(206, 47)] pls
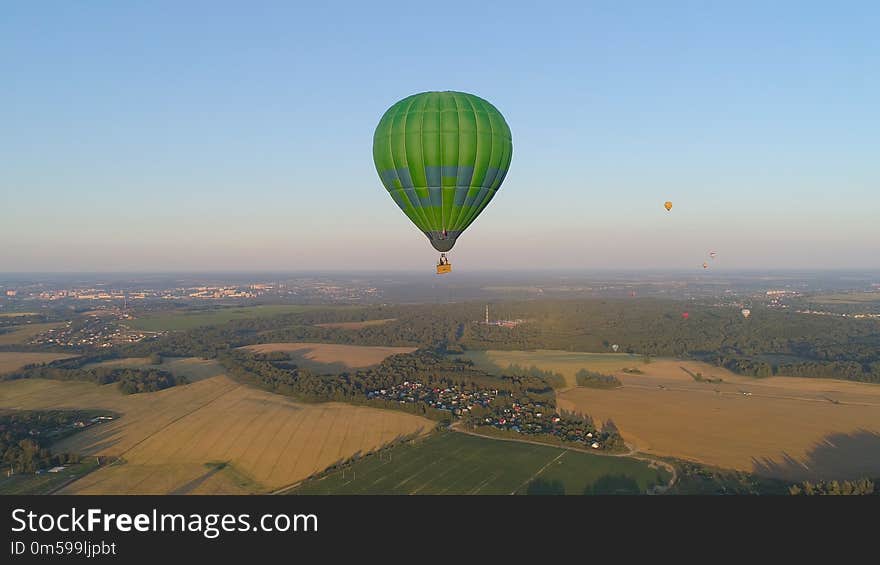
[(769, 342)]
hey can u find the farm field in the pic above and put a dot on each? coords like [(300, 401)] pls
[(187, 320), (847, 298), (355, 325), (213, 435), (455, 463), (23, 333), (566, 363), (11, 360), (348, 356), (786, 427), (192, 368)]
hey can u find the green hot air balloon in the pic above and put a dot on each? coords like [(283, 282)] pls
[(442, 156)]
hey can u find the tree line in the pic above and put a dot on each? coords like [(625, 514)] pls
[(132, 380)]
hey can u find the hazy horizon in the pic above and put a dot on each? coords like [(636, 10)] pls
[(171, 138)]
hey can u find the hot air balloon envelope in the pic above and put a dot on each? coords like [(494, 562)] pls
[(668, 205), (615, 347), (442, 156), (746, 312), (685, 315)]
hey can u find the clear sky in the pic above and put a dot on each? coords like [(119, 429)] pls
[(237, 135)]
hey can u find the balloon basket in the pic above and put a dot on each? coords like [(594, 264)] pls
[(443, 269)]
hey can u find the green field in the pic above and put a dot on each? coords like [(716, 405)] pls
[(31, 483), (455, 463), (847, 298), (189, 319)]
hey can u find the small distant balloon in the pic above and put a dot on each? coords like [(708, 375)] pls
[(746, 312), (685, 315), (705, 265), (712, 254), (668, 205), (615, 347), (632, 293)]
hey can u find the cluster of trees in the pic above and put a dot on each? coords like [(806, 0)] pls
[(593, 379), (25, 438), (611, 436), (131, 380), (552, 378), (695, 478), (861, 486)]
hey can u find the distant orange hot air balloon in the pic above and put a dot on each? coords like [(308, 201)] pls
[(668, 205)]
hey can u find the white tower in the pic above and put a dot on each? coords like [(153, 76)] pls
[(487, 314)]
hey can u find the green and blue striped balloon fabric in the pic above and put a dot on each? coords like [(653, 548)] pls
[(442, 156)]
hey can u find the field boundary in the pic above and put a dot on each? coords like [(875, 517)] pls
[(632, 453)]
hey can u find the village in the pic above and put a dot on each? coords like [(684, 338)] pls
[(90, 332), (491, 407)]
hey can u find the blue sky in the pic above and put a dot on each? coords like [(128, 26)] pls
[(237, 135)]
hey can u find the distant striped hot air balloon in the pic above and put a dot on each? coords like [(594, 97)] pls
[(667, 205)]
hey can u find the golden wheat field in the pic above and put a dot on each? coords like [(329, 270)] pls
[(352, 356), (781, 426), (168, 439), (10, 361), (23, 333)]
